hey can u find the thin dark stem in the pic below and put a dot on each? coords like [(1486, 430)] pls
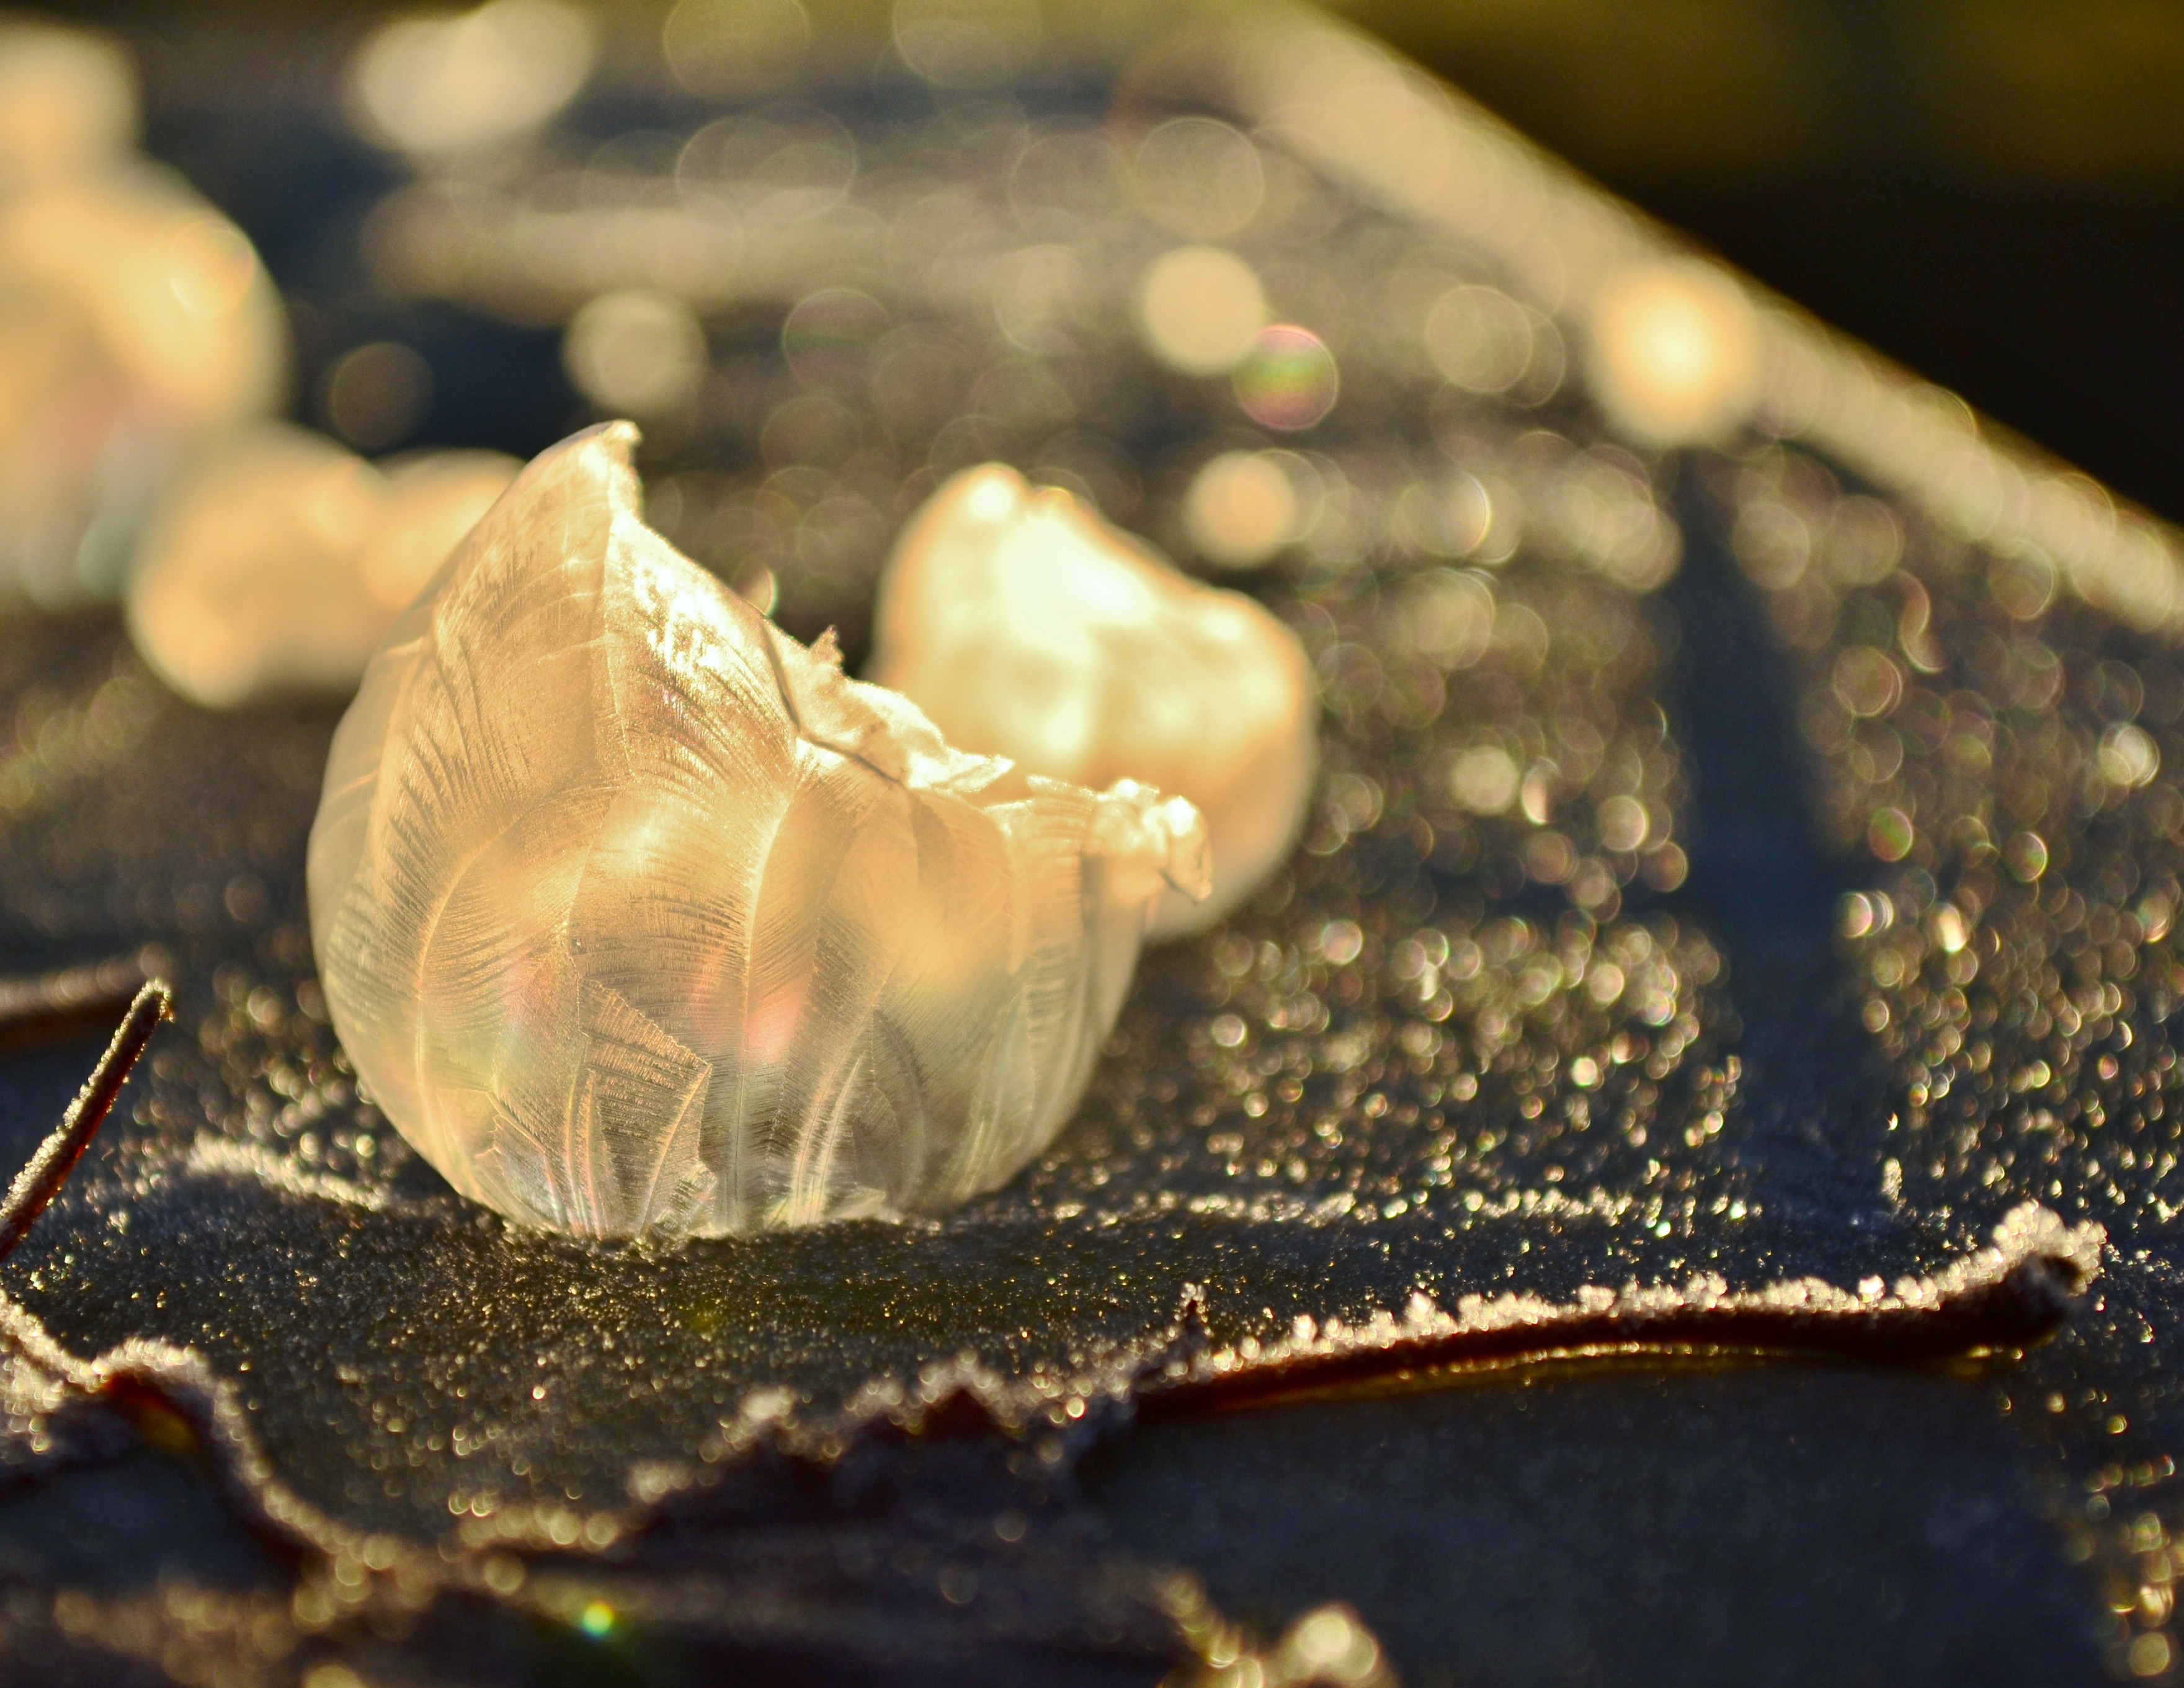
[(38, 1183), (58, 1004), (2004, 1303)]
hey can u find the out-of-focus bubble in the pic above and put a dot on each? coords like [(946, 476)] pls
[(246, 580), (1864, 542), (1199, 177), (1024, 624), (966, 43), (374, 395), (432, 500), (1198, 307), (431, 85), (1596, 506), (1024, 394), (1480, 338), (1241, 509), (728, 48), (138, 324), (1288, 379), (637, 351), (1675, 354), (832, 336), (68, 103), (810, 428), (2025, 855), (1773, 543), (281, 560)]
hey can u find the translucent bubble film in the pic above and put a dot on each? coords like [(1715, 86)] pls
[(1680, 1158), (639, 916)]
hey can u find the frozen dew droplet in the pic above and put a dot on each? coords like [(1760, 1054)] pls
[(637, 915), (1026, 627)]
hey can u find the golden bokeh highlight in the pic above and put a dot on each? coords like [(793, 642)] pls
[(636, 352), (1199, 309), (1241, 509), (438, 86), (1674, 351)]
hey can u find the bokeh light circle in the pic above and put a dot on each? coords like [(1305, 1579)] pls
[(831, 335), (1287, 380)]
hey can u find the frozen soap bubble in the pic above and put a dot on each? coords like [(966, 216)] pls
[(279, 561), (637, 915), (1027, 628), (137, 325)]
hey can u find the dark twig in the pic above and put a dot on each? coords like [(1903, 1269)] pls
[(2010, 1295), (77, 999), (38, 1183)]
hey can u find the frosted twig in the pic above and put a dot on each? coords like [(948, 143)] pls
[(39, 1182)]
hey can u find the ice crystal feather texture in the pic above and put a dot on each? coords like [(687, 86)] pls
[(636, 916)]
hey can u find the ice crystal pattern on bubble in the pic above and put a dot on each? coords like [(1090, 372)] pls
[(637, 915)]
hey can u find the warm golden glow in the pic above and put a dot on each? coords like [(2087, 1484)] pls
[(1675, 351), (139, 325), (1199, 308), (1241, 509), (68, 104), (435, 85), (636, 351), (280, 561), (1027, 628)]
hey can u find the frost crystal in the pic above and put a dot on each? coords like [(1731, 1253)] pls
[(636, 915)]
